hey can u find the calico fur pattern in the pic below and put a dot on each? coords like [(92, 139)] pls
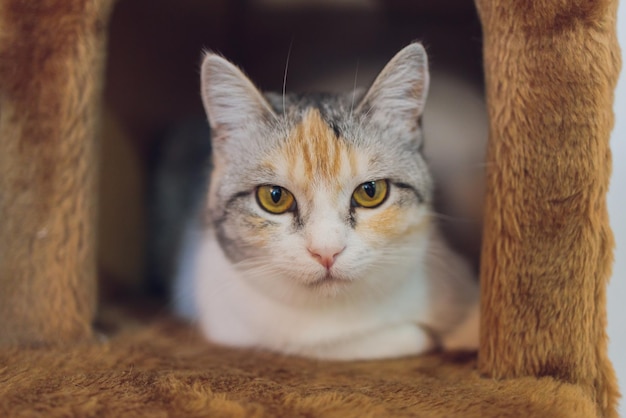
[(252, 278)]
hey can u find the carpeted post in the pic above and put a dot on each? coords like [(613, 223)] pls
[(551, 70), (51, 73)]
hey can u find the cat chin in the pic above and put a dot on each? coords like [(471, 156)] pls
[(322, 285), (311, 287), (329, 284), (337, 285)]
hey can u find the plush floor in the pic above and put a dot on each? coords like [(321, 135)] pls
[(164, 368)]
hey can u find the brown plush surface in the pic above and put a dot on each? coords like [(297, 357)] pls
[(51, 58), (551, 68), (165, 369)]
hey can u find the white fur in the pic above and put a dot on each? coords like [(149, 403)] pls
[(369, 320)]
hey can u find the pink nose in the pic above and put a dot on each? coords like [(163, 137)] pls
[(326, 256)]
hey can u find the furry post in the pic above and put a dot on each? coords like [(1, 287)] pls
[(551, 70), (51, 61)]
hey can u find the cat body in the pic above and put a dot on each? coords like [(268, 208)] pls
[(318, 237)]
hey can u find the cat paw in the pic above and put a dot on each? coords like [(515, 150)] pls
[(464, 337), (394, 341)]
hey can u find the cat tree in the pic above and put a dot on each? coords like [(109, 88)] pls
[(551, 68)]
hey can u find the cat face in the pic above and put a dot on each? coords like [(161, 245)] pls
[(319, 193)]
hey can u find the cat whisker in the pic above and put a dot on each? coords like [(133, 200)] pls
[(364, 117), (443, 262), (452, 218), (260, 271), (438, 254), (483, 164), (356, 73), (463, 166), (390, 260), (362, 120), (253, 263), (285, 76), (259, 268), (222, 287)]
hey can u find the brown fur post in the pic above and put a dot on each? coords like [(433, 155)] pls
[(51, 58), (551, 71)]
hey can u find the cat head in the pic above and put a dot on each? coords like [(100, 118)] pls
[(316, 195)]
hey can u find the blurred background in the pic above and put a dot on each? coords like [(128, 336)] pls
[(617, 212)]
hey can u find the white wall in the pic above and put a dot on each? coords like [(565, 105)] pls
[(617, 211)]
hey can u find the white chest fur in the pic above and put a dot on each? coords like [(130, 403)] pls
[(233, 311)]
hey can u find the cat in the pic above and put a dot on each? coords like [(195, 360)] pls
[(318, 237)]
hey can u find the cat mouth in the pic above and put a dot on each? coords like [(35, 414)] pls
[(329, 279)]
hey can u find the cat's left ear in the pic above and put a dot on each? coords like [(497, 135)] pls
[(398, 94), (230, 99)]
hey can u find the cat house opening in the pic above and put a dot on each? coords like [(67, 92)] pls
[(152, 100)]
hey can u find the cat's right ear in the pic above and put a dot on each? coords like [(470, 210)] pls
[(230, 99), (398, 94)]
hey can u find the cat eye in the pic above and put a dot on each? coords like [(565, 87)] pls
[(370, 194), (275, 199)]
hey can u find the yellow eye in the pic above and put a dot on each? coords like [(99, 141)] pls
[(370, 194), (275, 199)]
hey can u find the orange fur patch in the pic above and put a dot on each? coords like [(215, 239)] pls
[(313, 152), (261, 235), (391, 223)]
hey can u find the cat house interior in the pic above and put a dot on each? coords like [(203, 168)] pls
[(153, 106)]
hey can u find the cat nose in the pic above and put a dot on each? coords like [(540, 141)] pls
[(326, 256)]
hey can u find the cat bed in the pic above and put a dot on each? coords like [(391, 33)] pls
[(551, 69)]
